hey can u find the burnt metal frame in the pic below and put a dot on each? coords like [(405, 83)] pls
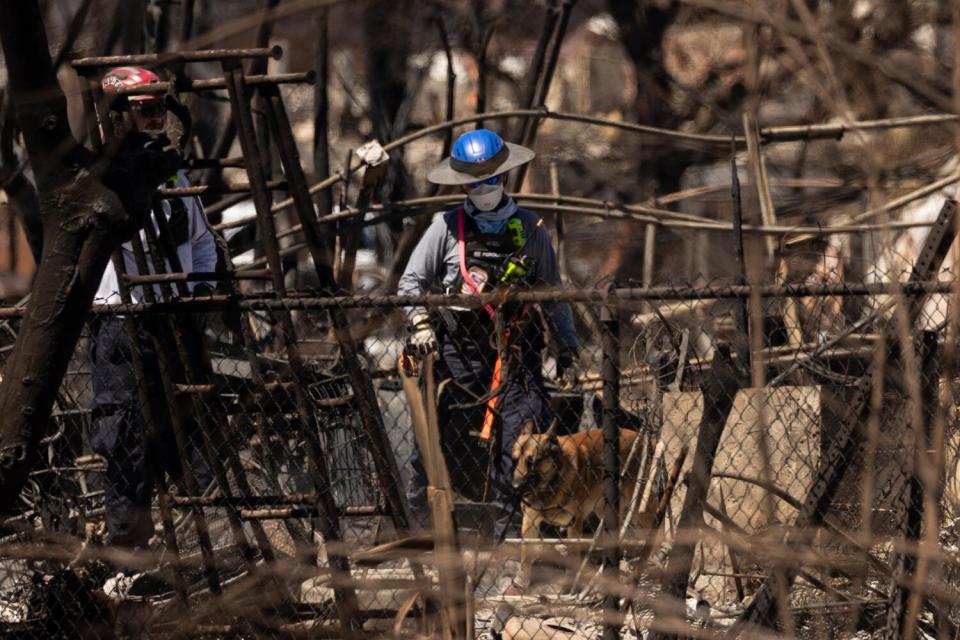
[(321, 250), (187, 338), (344, 595), (388, 474), (911, 513)]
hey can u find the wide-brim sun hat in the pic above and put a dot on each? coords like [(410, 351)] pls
[(451, 171)]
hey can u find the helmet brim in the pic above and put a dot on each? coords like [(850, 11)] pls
[(444, 174)]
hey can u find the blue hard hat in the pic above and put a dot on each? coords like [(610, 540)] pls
[(478, 155), (476, 146)]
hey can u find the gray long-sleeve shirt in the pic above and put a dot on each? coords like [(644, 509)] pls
[(435, 265)]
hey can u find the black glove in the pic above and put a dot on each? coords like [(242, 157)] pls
[(203, 290), (142, 163), (568, 368)]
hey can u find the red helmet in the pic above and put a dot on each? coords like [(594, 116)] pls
[(148, 109)]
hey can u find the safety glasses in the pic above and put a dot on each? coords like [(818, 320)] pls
[(493, 180), (147, 109)]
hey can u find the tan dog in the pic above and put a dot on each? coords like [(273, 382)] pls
[(559, 480)]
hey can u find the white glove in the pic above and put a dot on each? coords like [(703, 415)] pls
[(423, 340), (568, 368)]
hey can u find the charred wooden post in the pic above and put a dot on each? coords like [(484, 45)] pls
[(610, 342), (186, 22), (375, 163), (758, 167), (161, 27), (535, 70), (719, 389), (132, 34), (546, 78), (531, 125), (451, 93), (344, 595), (485, 36), (321, 108), (265, 24), (847, 443), (414, 229)]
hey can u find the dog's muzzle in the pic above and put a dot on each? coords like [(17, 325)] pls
[(523, 485)]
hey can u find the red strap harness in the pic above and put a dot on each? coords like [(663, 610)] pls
[(486, 431)]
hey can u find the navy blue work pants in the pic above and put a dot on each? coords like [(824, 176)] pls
[(467, 362), (118, 431)]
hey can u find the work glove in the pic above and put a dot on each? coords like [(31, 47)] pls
[(568, 368), (203, 290), (422, 338)]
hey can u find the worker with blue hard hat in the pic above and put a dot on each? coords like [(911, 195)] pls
[(485, 243)]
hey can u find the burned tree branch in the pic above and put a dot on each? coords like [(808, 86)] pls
[(87, 205), (21, 194)]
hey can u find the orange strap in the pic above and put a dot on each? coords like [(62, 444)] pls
[(487, 431)]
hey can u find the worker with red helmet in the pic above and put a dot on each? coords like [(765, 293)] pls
[(118, 431), (147, 110)]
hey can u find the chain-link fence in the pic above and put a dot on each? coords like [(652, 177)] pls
[(257, 459), (717, 456)]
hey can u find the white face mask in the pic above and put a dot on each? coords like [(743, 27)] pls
[(486, 196)]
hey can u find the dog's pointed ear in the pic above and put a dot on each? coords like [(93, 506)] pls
[(526, 428), (552, 431)]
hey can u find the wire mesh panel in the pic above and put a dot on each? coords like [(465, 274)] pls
[(231, 454), (721, 438)]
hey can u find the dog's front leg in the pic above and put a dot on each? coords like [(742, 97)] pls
[(576, 551), (530, 531)]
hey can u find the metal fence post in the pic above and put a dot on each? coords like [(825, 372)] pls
[(911, 512), (610, 368)]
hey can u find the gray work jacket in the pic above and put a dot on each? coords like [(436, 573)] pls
[(435, 265)]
